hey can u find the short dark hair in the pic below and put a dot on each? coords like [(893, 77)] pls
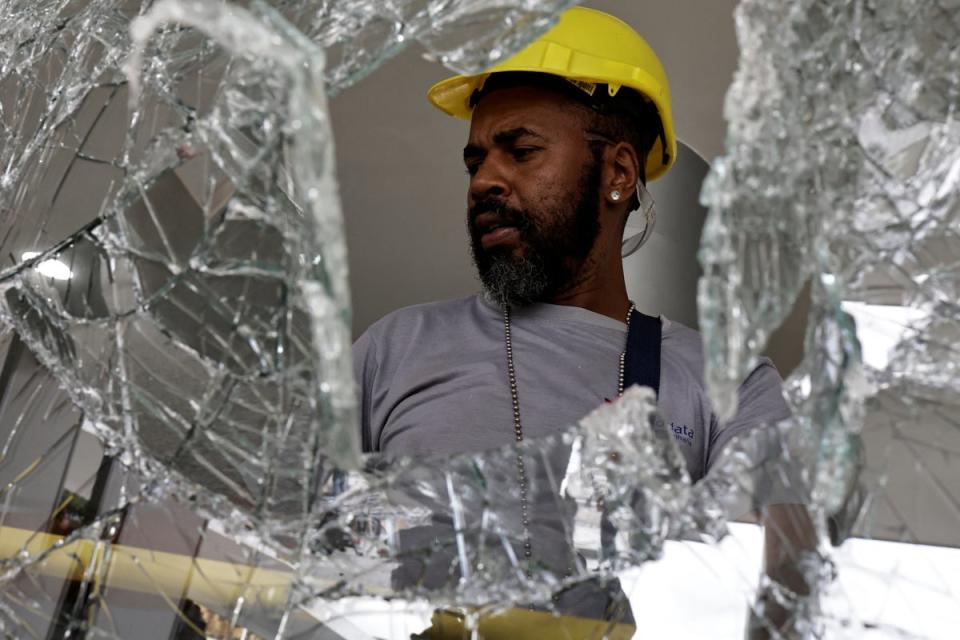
[(626, 117)]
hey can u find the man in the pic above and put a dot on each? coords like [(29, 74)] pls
[(563, 137)]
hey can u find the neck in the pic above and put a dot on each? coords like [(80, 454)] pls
[(599, 287)]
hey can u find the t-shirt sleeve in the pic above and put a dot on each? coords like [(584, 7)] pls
[(776, 473), (760, 402), (365, 374)]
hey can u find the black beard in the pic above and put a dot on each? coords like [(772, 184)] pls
[(556, 242)]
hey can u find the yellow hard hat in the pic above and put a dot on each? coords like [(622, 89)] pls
[(586, 46)]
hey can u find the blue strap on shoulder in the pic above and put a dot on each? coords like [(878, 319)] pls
[(641, 364)]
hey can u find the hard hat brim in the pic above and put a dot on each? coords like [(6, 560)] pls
[(452, 96)]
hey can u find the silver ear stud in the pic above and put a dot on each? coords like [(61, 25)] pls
[(615, 195)]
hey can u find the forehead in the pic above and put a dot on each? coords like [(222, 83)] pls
[(549, 113)]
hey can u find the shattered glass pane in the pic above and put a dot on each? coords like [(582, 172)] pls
[(178, 442), (842, 170)]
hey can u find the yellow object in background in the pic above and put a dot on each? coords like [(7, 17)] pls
[(524, 624)]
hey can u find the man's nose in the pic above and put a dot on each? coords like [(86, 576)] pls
[(490, 179)]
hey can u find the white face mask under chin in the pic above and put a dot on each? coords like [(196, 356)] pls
[(640, 222)]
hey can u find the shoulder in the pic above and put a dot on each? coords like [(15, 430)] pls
[(681, 342), (409, 321), (682, 353), (423, 328)]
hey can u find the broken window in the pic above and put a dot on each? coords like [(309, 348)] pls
[(178, 445)]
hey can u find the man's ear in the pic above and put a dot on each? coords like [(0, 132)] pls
[(621, 173)]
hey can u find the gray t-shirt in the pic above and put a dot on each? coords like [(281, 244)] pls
[(433, 379)]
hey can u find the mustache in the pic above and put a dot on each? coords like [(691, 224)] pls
[(514, 217)]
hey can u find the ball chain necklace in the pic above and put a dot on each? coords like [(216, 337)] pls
[(518, 428)]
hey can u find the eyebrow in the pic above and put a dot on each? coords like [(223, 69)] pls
[(501, 138)]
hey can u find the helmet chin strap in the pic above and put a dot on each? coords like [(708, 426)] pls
[(648, 209)]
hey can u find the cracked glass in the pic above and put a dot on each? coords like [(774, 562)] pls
[(179, 449)]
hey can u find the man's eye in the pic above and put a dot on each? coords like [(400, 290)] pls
[(472, 168), (519, 153)]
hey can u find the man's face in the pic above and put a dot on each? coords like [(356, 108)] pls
[(534, 194)]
